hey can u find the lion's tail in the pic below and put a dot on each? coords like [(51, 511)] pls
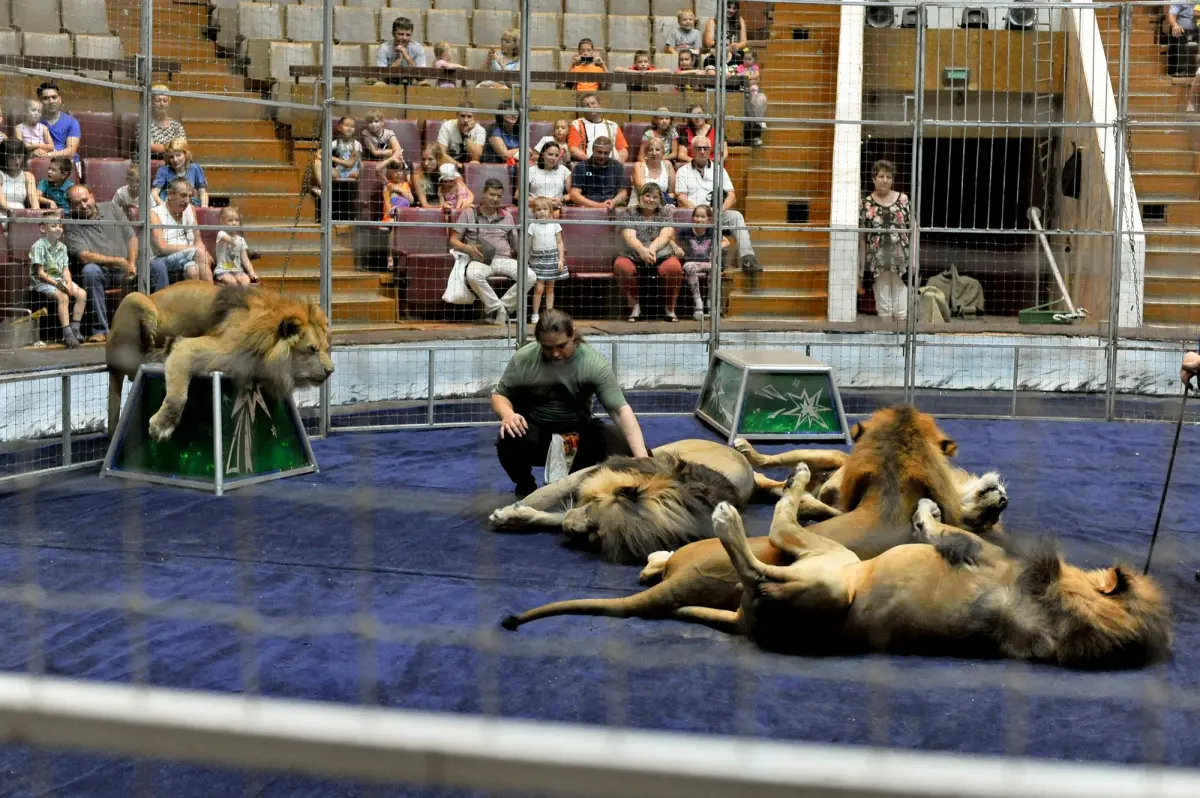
[(654, 602)]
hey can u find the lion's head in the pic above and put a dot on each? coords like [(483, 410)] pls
[(281, 341), (984, 499)]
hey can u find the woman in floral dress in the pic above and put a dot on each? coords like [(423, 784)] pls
[(887, 212)]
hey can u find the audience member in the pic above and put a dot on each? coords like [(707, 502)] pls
[(584, 131), (508, 59), (108, 252), (694, 247), (50, 275), (558, 135), (452, 189), (549, 179), (397, 193), (233, 265), (462, 138), (686, 63), (378, 142), (547, 257), (486, 236), (177, 163), (695, 184), (547, 388), (1184, 42), (654, 169), (177, 245), (641, 63), (441, 54), (163, 129), (504, 139), (662, 128), (587, 61), (18, 187), (886, 213), (401, 51), (685, 35), (34, 133), (425, 180), (599, 181), (128, 196), (696, 127), (54, 186), (755, 100), (735, 28), (64, 128), (347, 154), (648, 249)]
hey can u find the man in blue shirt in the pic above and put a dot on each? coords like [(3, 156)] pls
[(1181, 51), (64, 128)]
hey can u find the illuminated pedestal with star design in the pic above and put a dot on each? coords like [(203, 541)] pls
[(772, 395), (227, 437)]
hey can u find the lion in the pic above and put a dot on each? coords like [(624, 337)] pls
[(691, 583), (950, 592), (251, 336), (626, 507)]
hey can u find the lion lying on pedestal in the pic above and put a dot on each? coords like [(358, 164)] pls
[(250, 335)]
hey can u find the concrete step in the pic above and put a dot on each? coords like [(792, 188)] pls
[(301, 260), (812, 136), (213, 108), (788, 278), (353, 283), (1166, 138), (238, 150), (798, 236), (1177, 259), (796, 305), (193, 80), (256, 177), (206, 127), (1171, 311), (1161, 160), (1179, 212), (774, 210), (1184, 185), (787, 181), (267, 208)]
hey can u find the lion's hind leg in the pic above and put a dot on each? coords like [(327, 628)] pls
[(729, 621), (656, 563), (815, 459)]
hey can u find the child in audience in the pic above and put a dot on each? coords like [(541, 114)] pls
[(453, 190), (34, 133), (54, 186), (693, 246), (127, 196), (559, 136), (397, 193), (442, 52), (347, 151), (425, 176), (177, 162), (546, 255), (685, 64), (51, 276), (685, 36), (378, 142), (232, 265), (588, 61), (756, 101), (641, 63), (662, 129)]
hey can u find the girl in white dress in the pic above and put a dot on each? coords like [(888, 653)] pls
[(547, 257)]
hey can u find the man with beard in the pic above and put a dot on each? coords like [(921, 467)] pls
[(547, 388), (599, 181), (107, 253)]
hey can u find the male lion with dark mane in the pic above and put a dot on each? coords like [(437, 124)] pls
[(250, 335)]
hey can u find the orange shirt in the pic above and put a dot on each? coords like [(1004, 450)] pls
[(582, 133), (588, 68)]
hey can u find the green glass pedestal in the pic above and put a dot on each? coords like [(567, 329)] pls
[(227, 437), (772, 395)]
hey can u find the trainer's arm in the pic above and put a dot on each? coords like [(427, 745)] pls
[(627, 421)]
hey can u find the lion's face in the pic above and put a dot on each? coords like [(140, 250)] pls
[(308, 336)]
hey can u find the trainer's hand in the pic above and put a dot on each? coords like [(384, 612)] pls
[(514, 426), (1190, 367)]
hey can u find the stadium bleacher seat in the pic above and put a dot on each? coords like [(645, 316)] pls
[(409, 136), (85, 17), (32, 17), (475, 174), (356, 26), (98, 135), (208, 216), (447, 25), (370, 193), (55, 45), (636, 8), (668, 8), (38, 167), (423, 254), (590, 249), (633, 132), (584, 26), (10, 42), (487, 26), (628, 33), (105, 175), (303, 23), (451, 5), (544, 30)]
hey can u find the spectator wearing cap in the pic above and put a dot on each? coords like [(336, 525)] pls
[(487, 236), (453, 190)]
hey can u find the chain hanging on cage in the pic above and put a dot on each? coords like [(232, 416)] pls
[(305, 188)]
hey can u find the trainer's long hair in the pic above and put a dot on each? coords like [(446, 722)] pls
[(636, 506)]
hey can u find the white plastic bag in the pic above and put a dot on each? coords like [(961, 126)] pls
[(457, 291), (556, 460)]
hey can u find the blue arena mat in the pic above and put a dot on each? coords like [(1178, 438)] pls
[(397, 520)]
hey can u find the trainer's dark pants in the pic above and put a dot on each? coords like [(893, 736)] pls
[(518, 456)]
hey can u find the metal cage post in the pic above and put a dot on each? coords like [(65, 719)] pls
[(522, 187), (146, 79), (326, 222), (910, 326), (718, 192), (1119, 138)]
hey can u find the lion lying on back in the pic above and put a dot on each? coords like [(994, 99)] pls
[(250, 335)]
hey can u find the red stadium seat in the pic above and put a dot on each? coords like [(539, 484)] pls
[(105, 175), (478, 173), (590, 248), (633, 137), (370, 193), (409, 136), (432, 126), (422, 254), (98, 135), (38, 167), (209, 237)]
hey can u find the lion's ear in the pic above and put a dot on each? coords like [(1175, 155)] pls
[(290, 327), (1117, 581), (949, 447), (857, 430)]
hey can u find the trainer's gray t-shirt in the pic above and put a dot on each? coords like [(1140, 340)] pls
[(558, 396)]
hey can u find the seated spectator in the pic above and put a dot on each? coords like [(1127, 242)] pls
[(549, 179), (462, 138), (108, 254), (441, 55), (452, 189), (163, 129), (128, 196), (735, 28), (582, 135), (558, 135), (401, 51), (695, 184), (425, 179), (504, 138), (599, 181), (397, 193), (378, 142), (1184, 40), (487, 237), (648, 249), (685, 35), (18, 187), (586, 60), (641, 63), (64, 128), (50, 276), (693, 246), (347, 151), (508, 59), (686, 63), (34, 133), (233, 265), (177, 245), (54, 186), (654, 169), (696, 127), (662, 128), (177, 163)]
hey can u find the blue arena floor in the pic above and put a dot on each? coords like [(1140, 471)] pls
[(396, 520)]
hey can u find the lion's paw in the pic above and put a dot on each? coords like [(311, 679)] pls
[(927, 512), (726, 520), (512, 516), (162, 424), (800, 477), (743, 446), (656, 563)]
